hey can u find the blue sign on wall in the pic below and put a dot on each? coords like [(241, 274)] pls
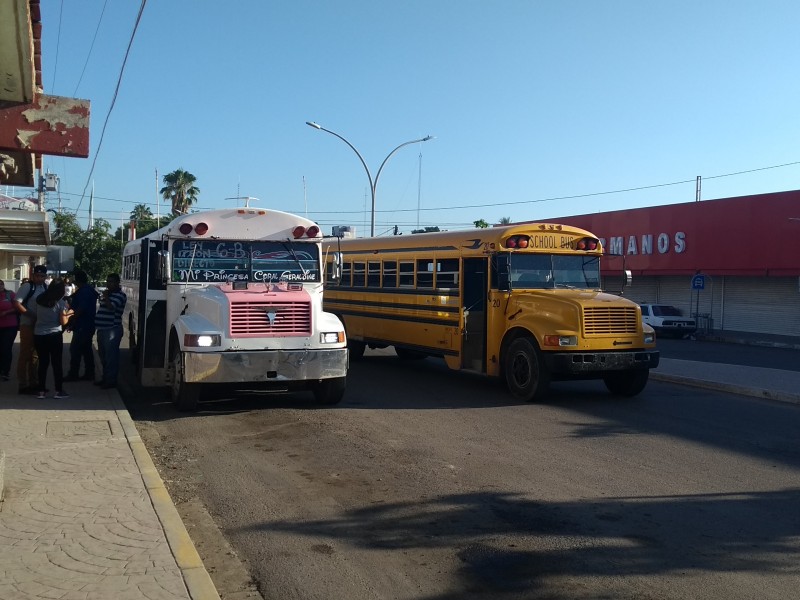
[(699, 282)]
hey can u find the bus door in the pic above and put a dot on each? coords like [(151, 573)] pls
[(473, 304), (152, 317)]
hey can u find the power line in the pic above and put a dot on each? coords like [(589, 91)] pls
[(91, 47), (113, 100), (493, 204), (58, 44)]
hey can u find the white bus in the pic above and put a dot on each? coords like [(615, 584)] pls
[(232, 296)]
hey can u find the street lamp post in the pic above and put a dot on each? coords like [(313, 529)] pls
[(373, 184)]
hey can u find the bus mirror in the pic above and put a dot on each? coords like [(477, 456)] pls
[(504, 272), (163, 265), (628, 278), (336, 272)]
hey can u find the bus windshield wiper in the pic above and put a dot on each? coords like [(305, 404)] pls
[(290, 250)]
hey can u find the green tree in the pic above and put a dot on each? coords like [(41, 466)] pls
[(481, 224), (505, 221), (67, 230), (180, 190), (145, 221), (96, 252), (141, 213)]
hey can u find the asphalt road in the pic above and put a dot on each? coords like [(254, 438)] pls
[(430, 484)]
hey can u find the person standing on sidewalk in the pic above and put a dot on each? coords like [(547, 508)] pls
[(51, 316), (84, 305), (9, 324), (108, 322), (27, 360)]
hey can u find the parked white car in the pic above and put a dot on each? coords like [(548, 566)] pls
[(666, 320)]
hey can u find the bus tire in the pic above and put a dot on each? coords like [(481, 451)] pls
[(626, 383), (356, 349), (526, 376), (329, 391), (185, 396)]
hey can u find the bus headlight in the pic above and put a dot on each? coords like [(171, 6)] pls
[(201, 340), (331, 337), (649, 338), (560, 340)]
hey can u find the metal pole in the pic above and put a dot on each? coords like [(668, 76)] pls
[(372, 184)]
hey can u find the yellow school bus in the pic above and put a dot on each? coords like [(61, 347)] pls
[(522, 302)]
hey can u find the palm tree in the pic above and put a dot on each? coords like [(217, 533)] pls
[(141, 213), (505, 220), (179, 189)]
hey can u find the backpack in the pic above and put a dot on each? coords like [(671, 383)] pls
[(29, 295)]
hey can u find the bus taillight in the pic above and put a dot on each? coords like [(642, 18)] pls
[(586, 244), (201, 228), (518, 241), (298, 231), (185, 228)]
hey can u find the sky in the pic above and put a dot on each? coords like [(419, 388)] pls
[(538, 108)]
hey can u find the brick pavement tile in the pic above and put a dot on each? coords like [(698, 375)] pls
[(77, 522)]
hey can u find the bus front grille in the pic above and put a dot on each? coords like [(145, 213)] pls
[(609, 320), (266, 319)]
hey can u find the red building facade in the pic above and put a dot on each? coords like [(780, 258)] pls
[(746, 247)]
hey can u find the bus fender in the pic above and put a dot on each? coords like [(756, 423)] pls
[(330, 322), (194, 325)]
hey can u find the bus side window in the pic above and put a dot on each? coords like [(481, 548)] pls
[(390, 273), (425, 273), (447, 273), (359, 274), (502, 271), (406, 274), (373, 274), (347, 274)]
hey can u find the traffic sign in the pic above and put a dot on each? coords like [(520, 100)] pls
[(699, 282)]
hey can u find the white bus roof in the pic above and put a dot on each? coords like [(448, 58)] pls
[(235, 224)]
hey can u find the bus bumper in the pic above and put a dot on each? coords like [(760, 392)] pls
[(267, 365), (578, 363)]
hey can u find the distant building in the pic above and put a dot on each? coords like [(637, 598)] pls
[(24, 239)]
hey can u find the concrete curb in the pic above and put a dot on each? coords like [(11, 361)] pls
[(734, 339), (728, 387), (198, 581), (2, 473)]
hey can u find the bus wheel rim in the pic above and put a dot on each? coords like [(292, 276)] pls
[(522, 370)]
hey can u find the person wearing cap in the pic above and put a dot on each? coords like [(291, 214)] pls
[(28, 361)]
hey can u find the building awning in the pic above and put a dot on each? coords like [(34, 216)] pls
[(24, 228)]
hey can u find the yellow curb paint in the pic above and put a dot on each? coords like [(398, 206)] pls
[(197, 580)]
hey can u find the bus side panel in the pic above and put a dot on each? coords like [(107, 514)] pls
[(420, 321)]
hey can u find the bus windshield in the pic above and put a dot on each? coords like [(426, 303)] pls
[(549, 271), (219, 261)]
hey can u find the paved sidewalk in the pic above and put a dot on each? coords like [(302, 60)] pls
[(771, 384), (85, 514)]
